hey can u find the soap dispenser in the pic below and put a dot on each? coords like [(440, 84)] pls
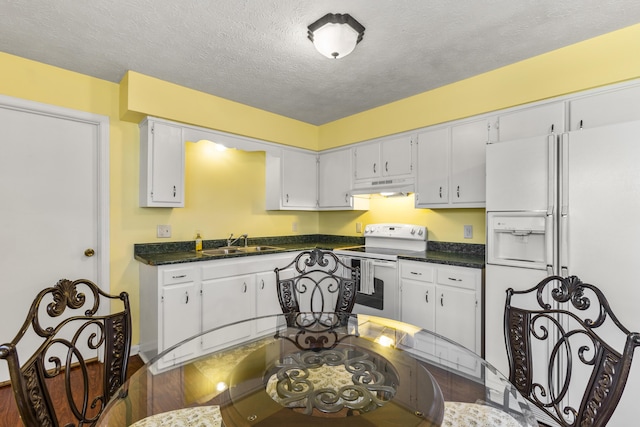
[(198, 242)]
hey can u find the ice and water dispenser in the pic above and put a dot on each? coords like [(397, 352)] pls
[(520, 239)]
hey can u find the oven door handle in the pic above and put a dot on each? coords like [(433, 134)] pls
[(387, 264)]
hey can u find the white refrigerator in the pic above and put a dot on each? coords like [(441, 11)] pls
[(566, 204)]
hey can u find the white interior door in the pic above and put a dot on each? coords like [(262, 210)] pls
[(54, 189)]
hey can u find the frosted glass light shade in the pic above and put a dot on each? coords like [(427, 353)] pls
[(335, 36)]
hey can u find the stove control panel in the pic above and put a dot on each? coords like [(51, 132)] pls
[(396, 231)]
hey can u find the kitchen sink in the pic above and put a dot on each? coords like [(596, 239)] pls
[(226, 250), (221, 251), (258, 248)]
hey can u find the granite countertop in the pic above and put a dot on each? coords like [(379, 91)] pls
[(456, 254)]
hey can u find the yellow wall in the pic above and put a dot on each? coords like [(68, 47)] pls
[(595, 62), (147, 96), (443, 225), (218, 205)]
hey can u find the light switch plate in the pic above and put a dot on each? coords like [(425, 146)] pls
[(164, 231), (468, 231)]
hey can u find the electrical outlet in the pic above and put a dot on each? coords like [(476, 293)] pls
[(358, 227), (164, 231), (294, 226), (468, 232)]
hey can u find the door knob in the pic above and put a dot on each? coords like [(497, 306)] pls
[(89, 252)]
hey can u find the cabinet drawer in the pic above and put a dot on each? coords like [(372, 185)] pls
[(456, 277), (417, 271), (177, 275)]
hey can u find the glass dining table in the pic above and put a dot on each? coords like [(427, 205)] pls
[(317, 369)]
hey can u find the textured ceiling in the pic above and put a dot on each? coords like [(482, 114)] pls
[(256, 51)]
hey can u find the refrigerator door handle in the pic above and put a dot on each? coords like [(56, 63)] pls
[(564, 159), (564, 245), (551, 176), (548, 240)]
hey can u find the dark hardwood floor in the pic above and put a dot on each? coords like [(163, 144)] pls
[(9, 412)]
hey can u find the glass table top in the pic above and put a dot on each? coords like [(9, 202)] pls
[(315, 369)]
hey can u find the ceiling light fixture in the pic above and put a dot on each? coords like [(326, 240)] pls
[(335, 35)]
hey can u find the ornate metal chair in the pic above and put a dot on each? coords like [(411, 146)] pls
[(71, 320), (317, 281), (558, 357)]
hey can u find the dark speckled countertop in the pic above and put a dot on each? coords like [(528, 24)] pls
[(457, 254)]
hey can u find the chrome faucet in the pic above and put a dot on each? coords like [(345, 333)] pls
[(231, 241)]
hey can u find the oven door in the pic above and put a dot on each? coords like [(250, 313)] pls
[(380, 297)]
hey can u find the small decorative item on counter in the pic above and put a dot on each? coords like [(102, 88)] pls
[(198, 242)]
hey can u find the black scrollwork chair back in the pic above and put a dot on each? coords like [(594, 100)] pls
[(71, 321), (558, 357), (317, 281)]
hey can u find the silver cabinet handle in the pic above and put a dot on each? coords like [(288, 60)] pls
[(415, 273), (454, 279), (458, 191), (346, 197), (261, 284), (441, 300), (179, 276), (186, 300), (386, 166), (174, 191), (374, 168), (244, 289), (426, 296), (440, 192)]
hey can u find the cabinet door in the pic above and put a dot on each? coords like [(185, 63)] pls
[(468, 142), (266, 301), (225, 301), (456, 315), (397, 156), (617, 106), (367, 160), (299, 179), (433, 168), (180, 319), (334, 179), (418, 304), (540, 120), (162, 159)]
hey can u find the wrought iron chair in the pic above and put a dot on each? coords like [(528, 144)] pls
[(71, 320), (558, 358), (317, 281)]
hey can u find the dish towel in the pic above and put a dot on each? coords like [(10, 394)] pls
[(366, 277)]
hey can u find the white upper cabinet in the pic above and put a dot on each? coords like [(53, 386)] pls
[(468, 148), (605, 108), (162, 164), (292, 180), (334, 179), (385, 158), (432, 180), (451, 166), (335, 173), (530, 122)]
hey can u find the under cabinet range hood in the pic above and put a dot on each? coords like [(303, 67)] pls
[(384, 187)]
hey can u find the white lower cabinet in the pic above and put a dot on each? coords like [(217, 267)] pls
[(446, 300), (179, 319), (180, 301), (169, 311), (227, 300), (266, 301)]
